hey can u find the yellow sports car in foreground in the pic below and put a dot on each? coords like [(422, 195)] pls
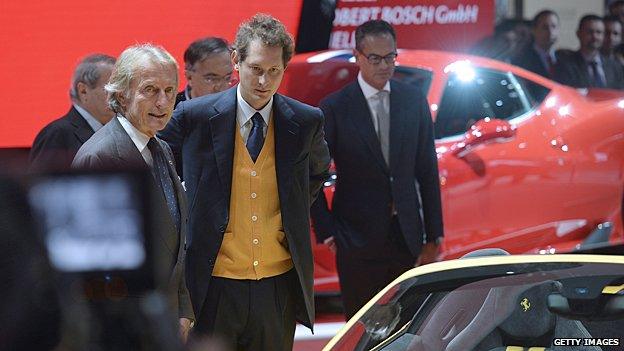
[(496, 302)]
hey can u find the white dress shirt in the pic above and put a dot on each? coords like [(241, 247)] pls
[(93, 123), (370, 93), (244, 112), (139, 139)]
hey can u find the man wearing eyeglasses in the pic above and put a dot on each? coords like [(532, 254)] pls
[(207, 68), (386, 214)]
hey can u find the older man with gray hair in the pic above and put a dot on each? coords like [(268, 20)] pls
[(142, 91), (57, 143)]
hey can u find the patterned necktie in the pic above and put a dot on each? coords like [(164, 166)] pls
[(160, 170), (598, 79), (383, 124), (256, 136)]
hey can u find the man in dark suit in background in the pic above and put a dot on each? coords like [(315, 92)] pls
[(587, 68), (613, 36), (142, 92), (57, 143), (207, 68), (616, 8), (253, 163), (539, 56), (380, 135)]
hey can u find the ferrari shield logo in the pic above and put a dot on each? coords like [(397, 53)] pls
[(526, 304)]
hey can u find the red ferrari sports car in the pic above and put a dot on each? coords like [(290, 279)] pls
[(526, 164)]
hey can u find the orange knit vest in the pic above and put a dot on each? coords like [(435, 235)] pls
[(254, 245)]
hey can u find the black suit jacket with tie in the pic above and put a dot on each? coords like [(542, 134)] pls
[(201, 135), (572, 70), (366, 188), (112, 148), (57, 143)]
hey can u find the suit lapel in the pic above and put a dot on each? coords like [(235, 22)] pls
[(126, 150), (582, 70), (222, 128), (360, 115), (609, 72), (396, 123), (82, 129), (538, 63), (129, 155), (286, 131)]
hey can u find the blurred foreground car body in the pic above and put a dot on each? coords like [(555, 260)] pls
[(519, 302), (526, 164)]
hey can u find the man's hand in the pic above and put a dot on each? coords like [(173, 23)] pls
[(185, 328), (331, 243), (428, 254)]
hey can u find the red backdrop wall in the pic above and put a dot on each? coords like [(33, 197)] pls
[(41, 42)]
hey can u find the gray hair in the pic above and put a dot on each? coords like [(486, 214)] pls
[(129, 62), (88, 71)]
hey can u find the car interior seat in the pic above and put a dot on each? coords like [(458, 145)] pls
[(453, 313), (516, 318)]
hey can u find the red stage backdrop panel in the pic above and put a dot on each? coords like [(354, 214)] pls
[(450, 25), (41, 42)]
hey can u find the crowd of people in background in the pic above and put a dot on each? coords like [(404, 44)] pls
[(598, 62)]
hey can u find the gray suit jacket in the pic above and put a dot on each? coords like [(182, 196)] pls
[(111, 148)]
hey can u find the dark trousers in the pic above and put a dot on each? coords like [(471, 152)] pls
[(361, 278), (250, 315)]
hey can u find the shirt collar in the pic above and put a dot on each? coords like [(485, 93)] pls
[(589, 59), (543, 52), (248, 111), (93, 123), (368, 90), (138, 138), (187, 92)]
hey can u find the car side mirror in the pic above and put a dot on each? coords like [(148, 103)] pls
[(485, 130)]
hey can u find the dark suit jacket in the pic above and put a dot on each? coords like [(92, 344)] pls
[(366, 188), (572, 70), (529, 59), (181, 96), (111, 148), (57, 143), (201, 135)]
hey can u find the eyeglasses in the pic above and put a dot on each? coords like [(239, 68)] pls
[(375, 59), (225, 80)]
